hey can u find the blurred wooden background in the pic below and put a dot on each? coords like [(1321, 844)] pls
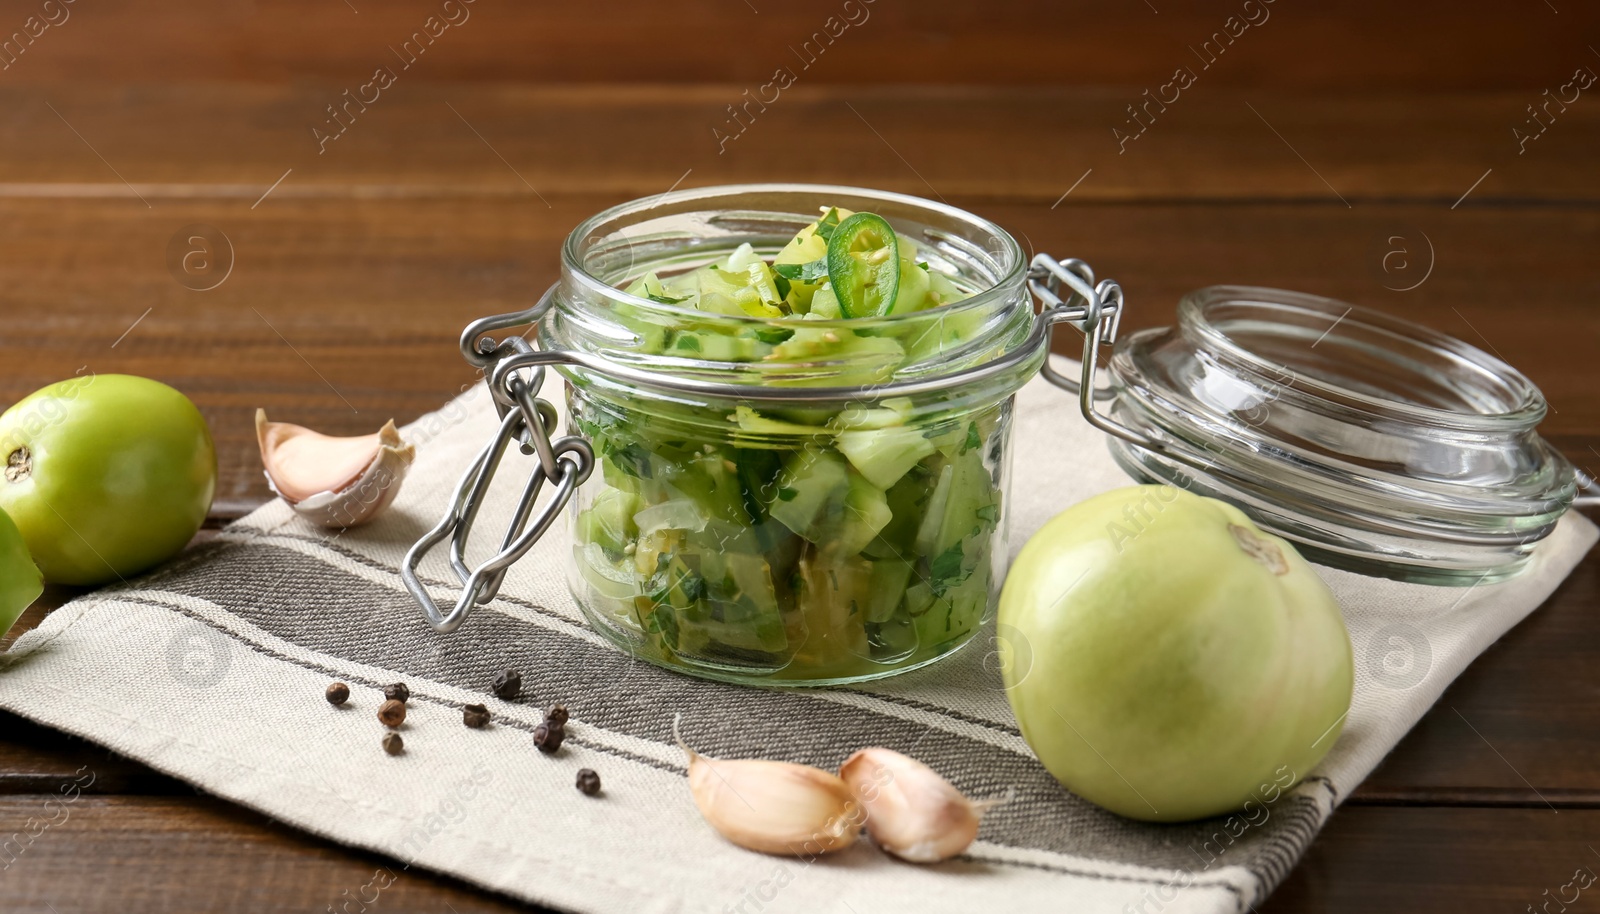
[(1368, 151), (1429, 45)]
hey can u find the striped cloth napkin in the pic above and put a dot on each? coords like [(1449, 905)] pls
[(213, 670)]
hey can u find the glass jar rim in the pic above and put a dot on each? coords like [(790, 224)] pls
[(572, 248), (1525, 403)]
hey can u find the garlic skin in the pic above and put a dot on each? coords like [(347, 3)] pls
[(912, 812), (773, 807), (334, 482)]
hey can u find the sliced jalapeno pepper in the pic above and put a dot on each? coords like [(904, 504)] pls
[(864, 266)]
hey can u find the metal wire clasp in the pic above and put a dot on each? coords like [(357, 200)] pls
[(524, 417), (1096, 310)]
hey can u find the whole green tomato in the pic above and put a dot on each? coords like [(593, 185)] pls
[(20, 581), (1169, 660), (105, 475)]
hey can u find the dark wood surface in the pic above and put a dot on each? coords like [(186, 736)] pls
[(1294, 161)]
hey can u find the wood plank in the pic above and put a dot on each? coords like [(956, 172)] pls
[(176, 855), (1443, 860), (420, 139), (1431, 44)]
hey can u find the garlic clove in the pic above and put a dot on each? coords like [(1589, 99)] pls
[(332, 481), (773, 807), (912, 812)]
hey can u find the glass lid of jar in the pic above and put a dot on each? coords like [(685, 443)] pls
[(1378, 444)]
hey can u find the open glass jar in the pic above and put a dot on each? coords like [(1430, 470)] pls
[(788, 502), (791, 523), (777, 500)]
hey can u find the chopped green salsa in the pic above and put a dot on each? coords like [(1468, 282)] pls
[(797, 544)]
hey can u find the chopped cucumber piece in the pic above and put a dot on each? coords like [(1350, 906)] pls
[(751, 421), (609, 520), (834, 590), (884, 455), (810, 481), (889, 579), (675, 514), (865, 512), (894, 411)]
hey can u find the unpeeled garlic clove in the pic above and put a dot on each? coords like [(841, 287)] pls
[(773, 807), (335, 482), (912, 812)]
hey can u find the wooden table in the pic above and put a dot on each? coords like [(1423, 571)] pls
[(1394, 183)]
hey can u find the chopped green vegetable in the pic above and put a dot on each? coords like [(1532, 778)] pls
[(864, 266), (805, 542)]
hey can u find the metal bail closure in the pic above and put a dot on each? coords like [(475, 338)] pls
[(568, 461), (1096, 310)]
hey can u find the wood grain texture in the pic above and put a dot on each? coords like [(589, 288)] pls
[(1365, 44), (181, 855), (1376, 859), (536, 143), (190, 855)]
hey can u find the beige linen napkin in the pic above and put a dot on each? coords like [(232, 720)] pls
[(213, 670)]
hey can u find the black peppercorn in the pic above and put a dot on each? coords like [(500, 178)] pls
[(588, 782), (475, 716), (508, 685), (393, 744), (338, 693), (397, 692), (549, 737), (392, 713), (557, 716)]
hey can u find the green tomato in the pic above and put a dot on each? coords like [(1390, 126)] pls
[(20, 581), (1169, 660), (105, 475)]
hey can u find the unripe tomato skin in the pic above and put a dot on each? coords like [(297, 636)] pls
[(106, 476), (1169, 660)]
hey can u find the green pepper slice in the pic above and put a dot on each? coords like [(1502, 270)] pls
[(864, 266)]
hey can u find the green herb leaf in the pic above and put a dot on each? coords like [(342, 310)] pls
[(693, 586), (923, 264), (813, 272), (667, 299), (787, 494), (687, 342), (829, 222), (989, 513), (633, 459), (973, 440), (781, 283), (772, 336), (666, 622), (945, 571)]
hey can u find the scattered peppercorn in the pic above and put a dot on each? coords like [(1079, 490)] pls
[(588, 782), (548, 737), (397, 692), (557, 716), (508, 685), (392, 713), (338, 693), (393, 744), (475, 716)]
